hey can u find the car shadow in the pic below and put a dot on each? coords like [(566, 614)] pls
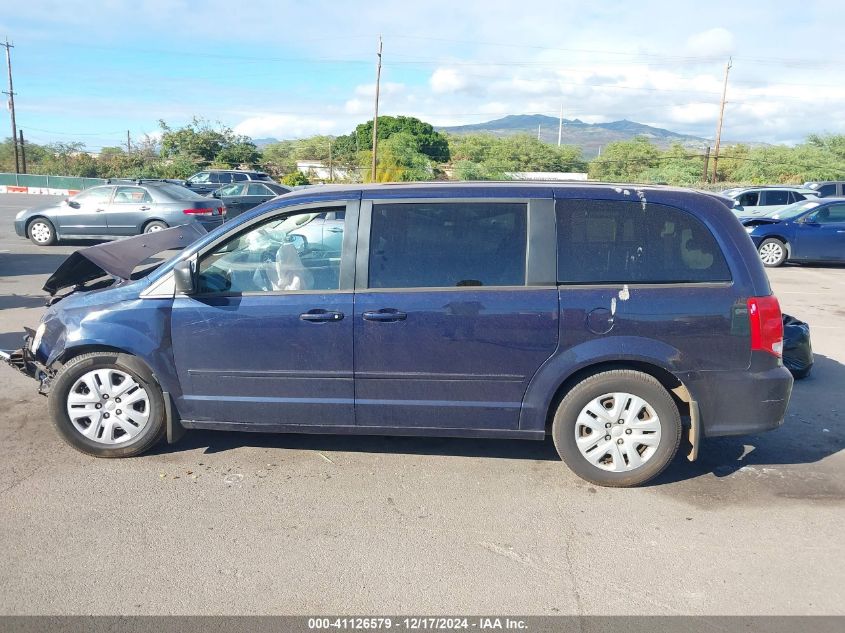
[(17, 264), (813, 430), (221, 441), (801, 440), (7, 302)]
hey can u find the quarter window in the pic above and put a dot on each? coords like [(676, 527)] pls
[(603, 241), (435, 245), (290, 253)]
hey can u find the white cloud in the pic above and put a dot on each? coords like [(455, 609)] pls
[(446, 80), (284, 126), (718, 42)]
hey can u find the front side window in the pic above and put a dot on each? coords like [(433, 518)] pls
[(749, 198), (97, 194), (438, 245), (231, 190), (199, 178), (833, 214), (291, 253), (602, 241), (827, 190), (131, 195)]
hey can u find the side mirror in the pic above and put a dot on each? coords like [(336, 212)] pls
[(183, 275), (215, 194), (73, 204)]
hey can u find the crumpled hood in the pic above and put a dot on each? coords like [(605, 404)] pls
[(119, 258)]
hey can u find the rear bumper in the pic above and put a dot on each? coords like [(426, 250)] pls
[(741, 402)]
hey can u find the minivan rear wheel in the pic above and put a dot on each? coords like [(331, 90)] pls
[(617, 428), (108, 404), (772, 252)]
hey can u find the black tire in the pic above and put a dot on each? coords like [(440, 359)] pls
[(627, 381), (41, 232), (149, 435), (772, 252), (155, 225)]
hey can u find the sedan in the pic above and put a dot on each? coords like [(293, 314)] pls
[(243, 196), (116, 210), (809, 231)]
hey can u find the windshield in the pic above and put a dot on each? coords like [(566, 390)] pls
[(792, 211)]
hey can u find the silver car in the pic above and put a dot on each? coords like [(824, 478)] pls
[(753, 202), (116, 210)]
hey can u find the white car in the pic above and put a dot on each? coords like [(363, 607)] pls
[(754, 202)]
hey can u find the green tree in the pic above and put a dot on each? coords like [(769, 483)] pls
[(626, 161), (429, 142), (295, 178)]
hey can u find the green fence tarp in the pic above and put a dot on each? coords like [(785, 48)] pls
[(50, 182)]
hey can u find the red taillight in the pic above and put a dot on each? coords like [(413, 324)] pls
[(204, 211), (766, 325)]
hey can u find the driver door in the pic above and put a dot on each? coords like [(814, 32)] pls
[(267, 338), (85, 213)]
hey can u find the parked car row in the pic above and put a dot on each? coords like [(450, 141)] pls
[(125, 207), (800, 224)]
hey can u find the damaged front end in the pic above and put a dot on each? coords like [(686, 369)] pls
[(24, 361)]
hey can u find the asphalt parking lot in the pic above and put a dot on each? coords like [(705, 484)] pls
[(228, 523)]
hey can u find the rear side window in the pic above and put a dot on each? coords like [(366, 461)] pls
[(239, 177), (775, 196), (794, 196), (601, 241), (431, 245)]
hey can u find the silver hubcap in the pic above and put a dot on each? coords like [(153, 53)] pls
[(108, 406), (771, 253), (154, 228), (40, 232), (617, 432)]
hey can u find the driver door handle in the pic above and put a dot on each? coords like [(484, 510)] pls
[(321, 316), (144, 208), (385, 315)]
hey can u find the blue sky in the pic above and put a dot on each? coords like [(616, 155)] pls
[(92, 70)]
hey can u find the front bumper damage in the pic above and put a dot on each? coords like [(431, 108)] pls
[(25, 362)]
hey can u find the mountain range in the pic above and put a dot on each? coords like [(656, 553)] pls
[(590, 137)]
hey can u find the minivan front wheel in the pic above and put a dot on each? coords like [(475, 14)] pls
[(108, 404), (772, 252), (617, 428)]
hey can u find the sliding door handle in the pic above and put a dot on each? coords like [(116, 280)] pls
[(385, 315)]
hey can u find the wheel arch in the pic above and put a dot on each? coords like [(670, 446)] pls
[(673, 385), (149, 221), (781, 238)]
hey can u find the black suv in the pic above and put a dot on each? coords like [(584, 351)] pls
[(827, 188), (207, 181)]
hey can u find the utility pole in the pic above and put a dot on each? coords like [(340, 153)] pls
[(560, 126), (706, 164), (23, 153), (128, 143), (721, 117), (331, 165), (538, 131), (375, 116), (11, 93)]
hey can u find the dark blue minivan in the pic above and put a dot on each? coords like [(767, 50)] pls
[(617, 319)]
